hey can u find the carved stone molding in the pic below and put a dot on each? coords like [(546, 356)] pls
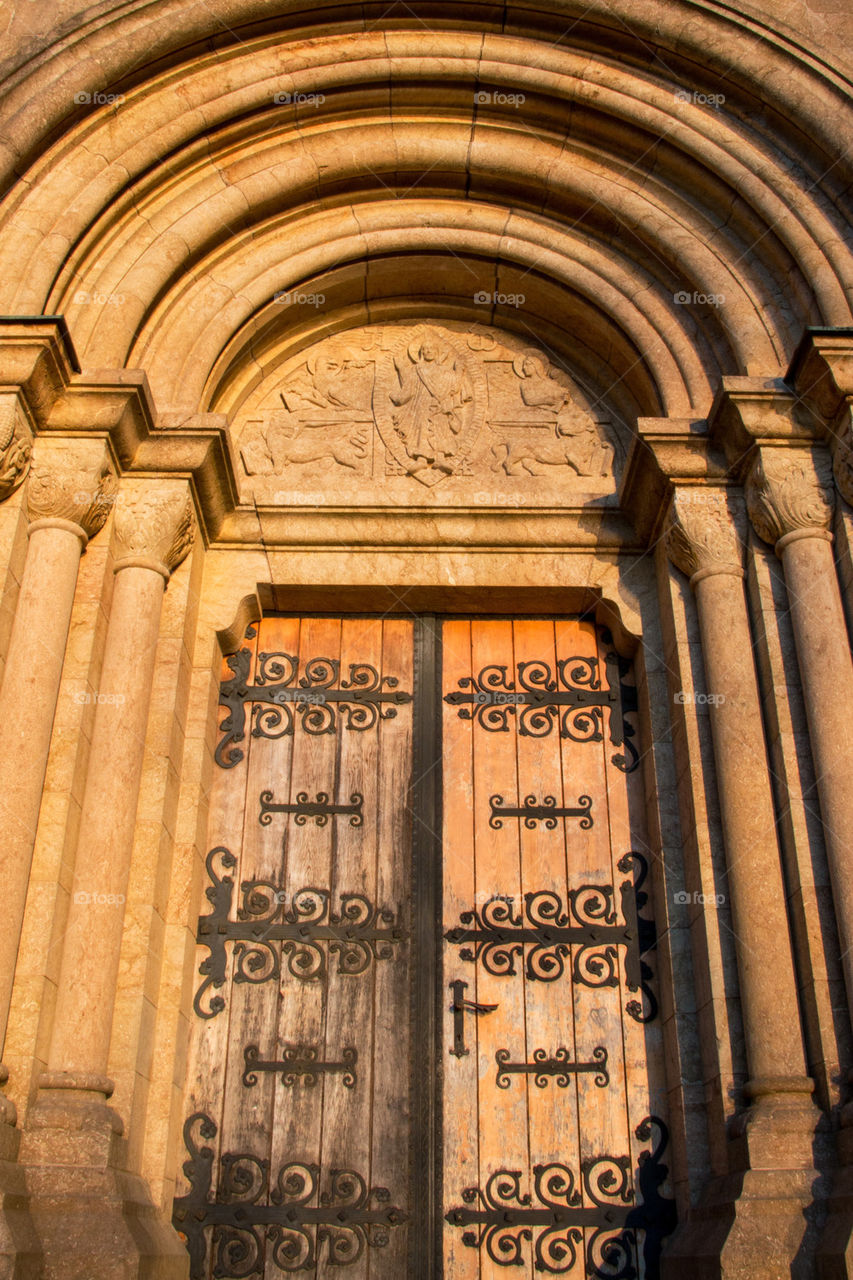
[(843, 461), (700, 534), (71, 481), (16, 444), (790, 492), (154, 524)]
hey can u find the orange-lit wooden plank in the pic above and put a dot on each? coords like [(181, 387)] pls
[(460, 1102)]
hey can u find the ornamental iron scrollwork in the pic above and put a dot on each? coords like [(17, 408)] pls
[(280, 698), (559, 1066), (307, 932), (555, 1217), (572, 697), (547, 812), (253, 1218), (585, 931), (320, 809), (299, 1062)]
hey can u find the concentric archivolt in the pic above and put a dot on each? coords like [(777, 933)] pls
[(659, 241)]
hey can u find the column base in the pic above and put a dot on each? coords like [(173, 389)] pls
[(94, 1219), (835, 1255), (19, 1248), (763, 1220)]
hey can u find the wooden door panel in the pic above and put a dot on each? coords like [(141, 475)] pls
[(554, 940), (299, 1145), (332, 939)]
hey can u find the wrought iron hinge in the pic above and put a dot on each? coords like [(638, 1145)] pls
[(299, 1061), (319, 809), (571, 696), (560, 1066), (557, 1217), (546, 812), (253, 1219), (583, 932), (459, 1008), (282, 698), (272, 924)]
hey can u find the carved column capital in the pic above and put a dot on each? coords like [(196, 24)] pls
[(71, 485), (789, 495), (154, 525), (701, 538), (16, 444)]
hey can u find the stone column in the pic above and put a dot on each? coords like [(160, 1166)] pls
[(153, 531), (70, 1146), (759, 1225), (68, 497), (790, 498)]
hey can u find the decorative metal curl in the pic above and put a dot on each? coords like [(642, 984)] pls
[(267, 929), (244, 1216), (281, 698), (501, 1218), (582, 933), (572, 696)]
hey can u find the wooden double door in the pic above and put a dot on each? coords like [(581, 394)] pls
[(426, 1038)]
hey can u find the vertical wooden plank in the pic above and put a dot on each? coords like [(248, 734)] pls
[(644, 1055), (503, 1117), (392, 1110), (553, 1111), (345, 1139), (461, 1162), (248, 1111), (298, 1110), (602, 1115), (208, 1049)]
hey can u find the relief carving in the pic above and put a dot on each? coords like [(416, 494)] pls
[(71, 480), (424, 402), (15, 445), (154, 522), (700, 534), (789, 491)]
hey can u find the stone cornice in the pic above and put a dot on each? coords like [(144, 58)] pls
[(37, 360), (665, 450), (748, 411)]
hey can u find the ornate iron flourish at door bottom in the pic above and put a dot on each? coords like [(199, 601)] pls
[(254, 1218), (360, 933), (504, 1218), (548, 932)]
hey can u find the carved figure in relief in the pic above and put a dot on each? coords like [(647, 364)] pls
[(578, 444), (327, 384), (284, 441), (433, 386)]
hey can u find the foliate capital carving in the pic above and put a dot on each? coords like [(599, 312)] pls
[(789, 492), (154, 524), (700, 534), (16, 444), (71, 480)]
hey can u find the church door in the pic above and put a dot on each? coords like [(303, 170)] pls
[(426, 1039)]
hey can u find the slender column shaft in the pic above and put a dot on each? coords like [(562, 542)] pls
[(92, 944), (153, 529), (27, 708), (768, 991), (703, 542), (826, 669)]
